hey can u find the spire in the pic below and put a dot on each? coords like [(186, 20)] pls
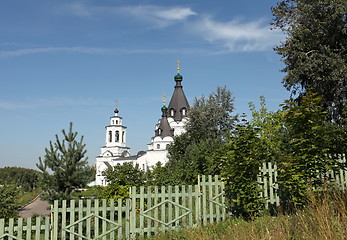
[(164, 128), (116, 111), (178, 106)]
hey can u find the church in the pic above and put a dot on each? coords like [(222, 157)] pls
[(171, 124)]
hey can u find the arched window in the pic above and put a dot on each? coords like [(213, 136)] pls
[(123, 135), (158, 146), (116, 139), (117, 122), (167, 146), (184, 112), (172, 112), (110, 136), (159, 131)]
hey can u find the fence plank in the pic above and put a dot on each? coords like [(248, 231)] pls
[(190, 204), (63, 219), (38, 228), (96, 220), (163, 216), (80, 216), (88, 222), (47, 228), (149, 205), (10, 226), (112, 213), (28, 228)]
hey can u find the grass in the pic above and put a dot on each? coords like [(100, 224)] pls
[(325, 217)]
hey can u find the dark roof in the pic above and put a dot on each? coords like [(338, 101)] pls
[(178, 100), (164, 128)]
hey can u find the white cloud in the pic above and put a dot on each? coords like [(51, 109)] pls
[(156, 15), (104, 51), (159, 16), (237, 36), (29, 51)]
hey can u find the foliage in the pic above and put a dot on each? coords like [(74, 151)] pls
[(158, 175), (211, 117), (271, 129), (125, 175), (114, 191), (198, 150), (64, 167), (8, 207), (24, 178), (200, 158), (307, 160), (314, 51), (244, 155)]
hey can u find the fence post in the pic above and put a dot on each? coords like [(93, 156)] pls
[(199, 201)]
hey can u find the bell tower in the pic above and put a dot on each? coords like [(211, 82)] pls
[(115, 138)]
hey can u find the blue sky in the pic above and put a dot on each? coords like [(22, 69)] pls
[(69, 61)]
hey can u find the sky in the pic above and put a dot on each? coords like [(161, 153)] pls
[(65, 61)]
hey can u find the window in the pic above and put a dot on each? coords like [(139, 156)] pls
[(184, 112), (159, 131), (158, 146), (116, 139), (172, 112), (167, 146), (117, 122), (110, 136), (123, 135)]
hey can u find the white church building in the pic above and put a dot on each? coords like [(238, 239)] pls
[(171, 124)]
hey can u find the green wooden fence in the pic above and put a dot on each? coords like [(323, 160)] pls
[(166, 208), (268, 176), (147, 211), (28, 228)]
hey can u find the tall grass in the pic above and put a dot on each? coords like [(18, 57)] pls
[(325, 217)]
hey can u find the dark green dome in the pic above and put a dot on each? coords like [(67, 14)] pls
[(178, 77), (164, 108)]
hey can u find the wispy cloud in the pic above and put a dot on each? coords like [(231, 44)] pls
[(236, 35), (156, 16), (160, 16), (105, 51), (36, 103), (30, 51)]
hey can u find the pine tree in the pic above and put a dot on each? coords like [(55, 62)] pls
[(64, 167)]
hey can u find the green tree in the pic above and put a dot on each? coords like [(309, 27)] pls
[(271, 129), (8, 208), (195, 152), (26, 179), (212, 117), (126, 174), (307, 160), (244, 154), (315, 50), (64, 167)]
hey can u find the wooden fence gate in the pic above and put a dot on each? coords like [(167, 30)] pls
[(166, 208), (147, 211)]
